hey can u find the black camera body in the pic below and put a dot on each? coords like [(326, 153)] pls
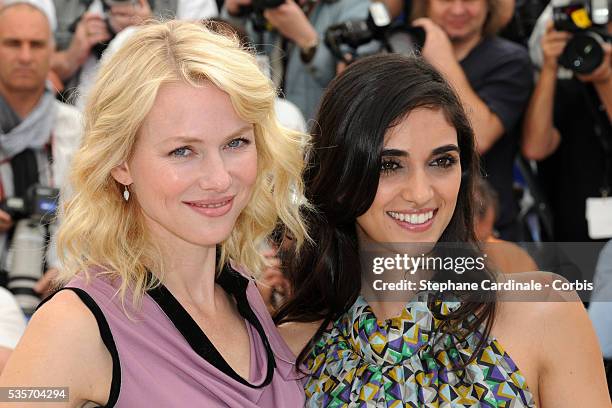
[(402, 38), (266, 4), (257, 7), (34, 217), (587, 21), (40, 203)]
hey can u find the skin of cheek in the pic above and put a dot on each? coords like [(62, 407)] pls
[(379, 226)]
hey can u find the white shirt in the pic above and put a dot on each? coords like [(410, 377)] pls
[(196, 9), (12, 320)]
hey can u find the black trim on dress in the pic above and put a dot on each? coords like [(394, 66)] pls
[(236, 285), (107, 338)]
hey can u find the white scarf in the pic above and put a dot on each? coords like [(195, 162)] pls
[(33, 131)]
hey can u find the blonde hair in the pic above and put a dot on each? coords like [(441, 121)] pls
[(99, 230)]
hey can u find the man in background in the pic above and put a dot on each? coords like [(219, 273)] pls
[(293, 40), (38, 134), (493, 78)]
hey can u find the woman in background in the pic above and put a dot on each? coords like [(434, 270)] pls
[(394, 162), (182, 175), (503, 256)]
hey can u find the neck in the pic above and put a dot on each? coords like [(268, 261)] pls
[(462, 48), (387, 303), (22, 102), (190, 275)]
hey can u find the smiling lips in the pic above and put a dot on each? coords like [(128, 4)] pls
[(212, 208), (418, 221)]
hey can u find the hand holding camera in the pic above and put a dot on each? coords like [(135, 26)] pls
[(90, 30), (235, 7), (123, 14), (437, 49), (344, 39), (6, 222), (553, 43), (587, 20), (292, 23)]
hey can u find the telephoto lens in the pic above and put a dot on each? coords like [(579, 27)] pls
[(25, 263)]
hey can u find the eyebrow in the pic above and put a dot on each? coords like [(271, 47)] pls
[(445, 149), (13, 40), (194, 140), (394, 153), (436, 151)]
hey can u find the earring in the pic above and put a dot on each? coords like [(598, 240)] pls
[(126, 193)]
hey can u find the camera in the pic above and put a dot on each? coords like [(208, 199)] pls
[(266, 4), (40, 203), (347, 37), (257, 7), (34, 217), (587, 20), (255, 12)]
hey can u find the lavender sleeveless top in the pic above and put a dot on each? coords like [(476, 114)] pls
[(163, 359)]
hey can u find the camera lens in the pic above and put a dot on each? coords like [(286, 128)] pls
[(583, 53)]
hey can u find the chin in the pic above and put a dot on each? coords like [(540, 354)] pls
[(209, 241), (424, 239)]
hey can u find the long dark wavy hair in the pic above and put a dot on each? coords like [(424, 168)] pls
[(358, 108)]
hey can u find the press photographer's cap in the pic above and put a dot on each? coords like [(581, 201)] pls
[(46, 6)]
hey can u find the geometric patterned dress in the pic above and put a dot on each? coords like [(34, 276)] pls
[(406, 362)]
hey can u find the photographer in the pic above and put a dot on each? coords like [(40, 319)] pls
[(37, 133), (86, 26), (493, 78), (90, 28), (300, 62), (567, 129)]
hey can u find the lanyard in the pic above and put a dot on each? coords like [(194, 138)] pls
[(49, 153)]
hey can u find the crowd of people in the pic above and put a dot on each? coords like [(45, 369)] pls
[(221, 174)]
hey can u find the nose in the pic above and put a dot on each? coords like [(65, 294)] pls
[(25, 53), (457, 7), (214, 174), (418, 189)]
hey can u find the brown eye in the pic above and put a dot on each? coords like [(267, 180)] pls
[(389, 166), (444, 162)]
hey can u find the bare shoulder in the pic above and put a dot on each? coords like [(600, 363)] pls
[(537, 286), (298, 334), (526, 311), (551, 339), (62, 347)]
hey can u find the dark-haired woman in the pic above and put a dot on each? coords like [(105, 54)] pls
[(394, 162)]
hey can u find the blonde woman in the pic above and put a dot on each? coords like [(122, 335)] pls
[(183, 173)]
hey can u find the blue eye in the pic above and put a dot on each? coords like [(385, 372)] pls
[(181, 152), (237, 143)]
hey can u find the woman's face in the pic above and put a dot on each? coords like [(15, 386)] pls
[(193, 166), (419, 182)]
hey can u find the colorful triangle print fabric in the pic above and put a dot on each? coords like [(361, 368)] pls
[(406, 362)]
